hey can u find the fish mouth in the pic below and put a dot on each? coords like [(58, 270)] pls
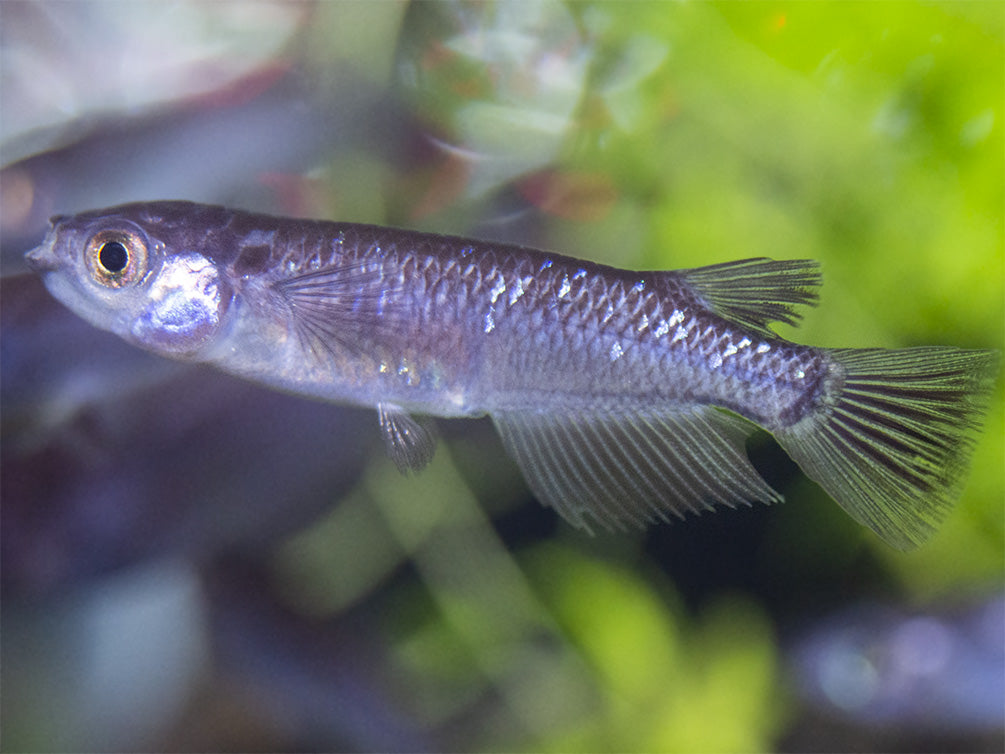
[(41, 258)]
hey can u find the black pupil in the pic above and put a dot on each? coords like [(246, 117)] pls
[(113, 257)]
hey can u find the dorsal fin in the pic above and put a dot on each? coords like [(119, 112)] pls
[(756, 292)]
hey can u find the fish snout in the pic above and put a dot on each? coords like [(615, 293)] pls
[(41, 258)]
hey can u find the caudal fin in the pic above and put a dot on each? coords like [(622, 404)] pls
[(891, 446)]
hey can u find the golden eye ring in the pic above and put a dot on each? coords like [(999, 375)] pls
[(116, 258)]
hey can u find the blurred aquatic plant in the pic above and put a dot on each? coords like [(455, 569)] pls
[(556, 651), (661, 675), (498, 84)]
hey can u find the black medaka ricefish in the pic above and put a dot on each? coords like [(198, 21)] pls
[(618, 393)]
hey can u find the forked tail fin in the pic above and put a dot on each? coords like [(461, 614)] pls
[(891, 444)]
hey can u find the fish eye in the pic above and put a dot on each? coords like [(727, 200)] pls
[(113, 256), (116, 258)]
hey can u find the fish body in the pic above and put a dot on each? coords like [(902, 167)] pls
[(607, 385)]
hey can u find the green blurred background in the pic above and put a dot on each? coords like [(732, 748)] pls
[(664, 135)]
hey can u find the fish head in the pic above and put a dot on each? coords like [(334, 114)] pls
[(139, 278)]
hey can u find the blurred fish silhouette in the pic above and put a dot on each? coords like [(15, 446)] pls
[(617, 393), (930, 673)]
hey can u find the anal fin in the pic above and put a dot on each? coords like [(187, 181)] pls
[(632, 468)]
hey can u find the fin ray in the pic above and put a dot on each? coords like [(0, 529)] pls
[(343, 307), (647, 476), (756, 292), (629, 468), (410, 442), (892, 445)]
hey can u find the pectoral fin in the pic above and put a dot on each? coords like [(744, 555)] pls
[(632, 468), (410, 442), (344, 307)]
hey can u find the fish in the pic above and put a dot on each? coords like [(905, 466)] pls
[(624, 397)]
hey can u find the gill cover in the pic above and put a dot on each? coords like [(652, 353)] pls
[(186, 302)]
